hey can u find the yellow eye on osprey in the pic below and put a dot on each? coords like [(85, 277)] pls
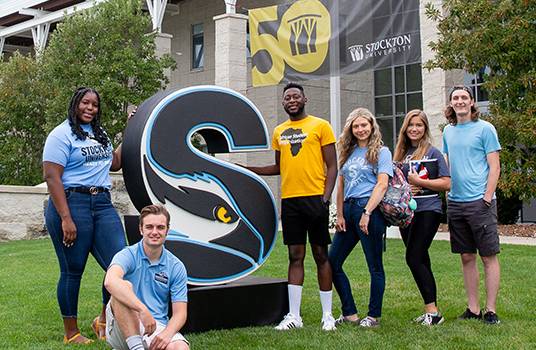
[(221, 214)]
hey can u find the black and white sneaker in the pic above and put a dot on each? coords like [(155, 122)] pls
[(469, 315), (420, 318), (432, 319), (491, 317), (289, 322), (343, 320), (369, 322)]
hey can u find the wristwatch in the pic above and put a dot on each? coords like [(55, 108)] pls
[(366, 212)]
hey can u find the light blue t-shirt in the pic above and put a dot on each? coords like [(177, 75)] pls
[(85, 162), (467, 146), (360, 176), (154, 283)]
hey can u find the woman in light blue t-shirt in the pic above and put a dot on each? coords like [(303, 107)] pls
[(365, 166), (80, 217)]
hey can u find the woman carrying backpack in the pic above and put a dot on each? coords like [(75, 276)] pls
[(365, 166), (427, 173)]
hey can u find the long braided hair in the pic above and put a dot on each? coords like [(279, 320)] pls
[(72, 115)]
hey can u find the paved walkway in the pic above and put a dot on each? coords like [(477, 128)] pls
[(393, 232)]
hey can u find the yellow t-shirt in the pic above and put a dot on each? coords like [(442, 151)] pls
[(302, 164)]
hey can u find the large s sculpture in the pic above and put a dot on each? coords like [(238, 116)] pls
[(223, 217)]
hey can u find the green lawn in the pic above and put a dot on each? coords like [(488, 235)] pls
[(29, 316)]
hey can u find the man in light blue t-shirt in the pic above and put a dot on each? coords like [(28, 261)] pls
[(472, 148), (143, 279)]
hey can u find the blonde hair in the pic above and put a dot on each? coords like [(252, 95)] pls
[(404, 143), (348, 142)]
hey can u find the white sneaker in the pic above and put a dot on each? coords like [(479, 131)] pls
[(343, 320), (432, 320), (420, 318), (369, 322), (328, 323), (289, 322)]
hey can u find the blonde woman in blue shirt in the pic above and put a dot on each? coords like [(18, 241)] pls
[(365, 166)]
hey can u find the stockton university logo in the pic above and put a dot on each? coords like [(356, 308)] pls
[(223, 217), (383, 47), (301, 40)]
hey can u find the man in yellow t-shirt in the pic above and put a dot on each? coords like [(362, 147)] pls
[(303, 145)]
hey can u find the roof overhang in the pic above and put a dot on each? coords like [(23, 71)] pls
[(25, 18), (45, 17)]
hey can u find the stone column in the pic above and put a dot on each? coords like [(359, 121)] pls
[(163, 46), (230, 51), (231, 61), (436, 83)]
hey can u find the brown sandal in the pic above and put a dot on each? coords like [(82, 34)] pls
[(72, 340), (99, 328)]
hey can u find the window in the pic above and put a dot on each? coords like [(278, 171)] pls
[(475, 81), (244, 11), (198, 49), (397, 90), (397, 78)]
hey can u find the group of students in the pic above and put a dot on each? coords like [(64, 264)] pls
[(145, 278), (469, 171)]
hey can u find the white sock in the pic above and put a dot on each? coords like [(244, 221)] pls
[(325, 300), (294, 299), (134, 342)]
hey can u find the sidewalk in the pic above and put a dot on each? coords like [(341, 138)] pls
[(393, 232)]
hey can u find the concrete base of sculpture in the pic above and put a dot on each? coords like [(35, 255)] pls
[(250, 301)]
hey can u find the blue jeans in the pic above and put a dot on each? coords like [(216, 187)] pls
[(372, 244), (99, 231)]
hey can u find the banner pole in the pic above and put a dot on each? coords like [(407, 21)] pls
[(334, 70), (334, 75)]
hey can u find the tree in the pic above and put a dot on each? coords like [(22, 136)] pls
[(22, 104), (501, 35), (106, 47)]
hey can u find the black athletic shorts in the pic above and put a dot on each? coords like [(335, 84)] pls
[(305, 215), (473, 226)]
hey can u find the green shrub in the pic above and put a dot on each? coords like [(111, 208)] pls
[(499, 35), (107, 48), (22, 104)]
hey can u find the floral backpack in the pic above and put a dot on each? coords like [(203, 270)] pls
[(397, 206)]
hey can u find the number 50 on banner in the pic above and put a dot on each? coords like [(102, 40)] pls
[(295, 36)]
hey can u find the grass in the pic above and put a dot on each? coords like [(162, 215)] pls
[(29, 315)]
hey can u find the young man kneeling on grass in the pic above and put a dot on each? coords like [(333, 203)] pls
[(141, 279)]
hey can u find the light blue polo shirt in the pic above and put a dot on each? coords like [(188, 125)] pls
[(467, 146), (360, 177), (85, 162), (154, 283)]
